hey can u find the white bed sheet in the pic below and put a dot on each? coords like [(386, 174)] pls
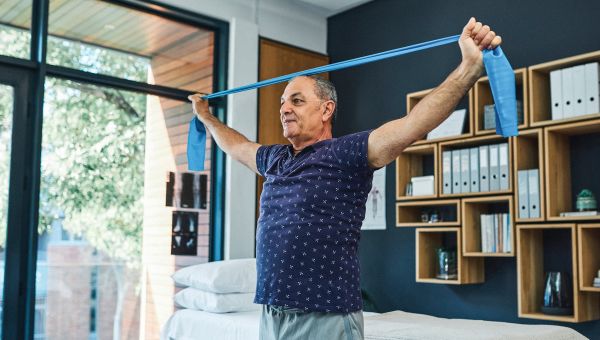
[(189, 324), (398, 325)]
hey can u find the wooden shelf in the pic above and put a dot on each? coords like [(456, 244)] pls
[(472, 208), (412, 99), (539, 89), (411, 163), (531, 266), (472, 142), (469, 270), (483, 96), (588, 241), (559, 195), (528, 150), (408, 214)]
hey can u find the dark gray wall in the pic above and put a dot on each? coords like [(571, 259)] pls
[(369, 95)]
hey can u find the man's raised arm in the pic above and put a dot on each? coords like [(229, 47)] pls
[(389, 140), (229, 140)]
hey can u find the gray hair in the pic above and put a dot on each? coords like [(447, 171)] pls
[(325, 90)]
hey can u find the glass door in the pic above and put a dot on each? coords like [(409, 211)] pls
[(14, 87)]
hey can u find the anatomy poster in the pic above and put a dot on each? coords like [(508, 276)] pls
[(375, 213)]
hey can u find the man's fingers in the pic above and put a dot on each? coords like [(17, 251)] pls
[(476, 29), (495, 42), (481, 34), (468, 29), (487, 40)]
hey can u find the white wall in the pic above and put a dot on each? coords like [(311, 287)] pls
[(280, 20)]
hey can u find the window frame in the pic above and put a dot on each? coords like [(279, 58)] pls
[(20, 268)]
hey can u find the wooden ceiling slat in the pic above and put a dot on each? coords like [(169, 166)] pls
[(161, 65), (23, 19), (185, 47), (141, 38), (5, 7), (69, 25), (58, 16), (191, 52), (15, 10)]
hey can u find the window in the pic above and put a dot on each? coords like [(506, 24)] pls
[(15, 28), (115, 80)]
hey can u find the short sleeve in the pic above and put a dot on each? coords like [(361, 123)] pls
[(266, 155), (352, 151)]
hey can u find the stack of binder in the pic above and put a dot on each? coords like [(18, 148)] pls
[(496, 233), (575, 91), (528, 191), (477, 169)]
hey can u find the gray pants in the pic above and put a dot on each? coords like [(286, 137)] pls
[(280, 323)]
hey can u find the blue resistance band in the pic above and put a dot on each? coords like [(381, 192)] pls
[(500, 73)]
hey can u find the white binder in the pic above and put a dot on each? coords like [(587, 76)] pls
[(567, 92), (494, 169), (474, 175), (556, 94), (456, 185), (523, 193), (592, 88), (503, 165), (464, 171), (534, 193), (578, 90), (447, 172), (484, 168)]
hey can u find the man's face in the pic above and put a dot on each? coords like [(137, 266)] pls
[(300, 112)]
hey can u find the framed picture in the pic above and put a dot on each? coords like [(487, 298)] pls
[(186, 190), (452, 126), (184, 233), (375, 206)]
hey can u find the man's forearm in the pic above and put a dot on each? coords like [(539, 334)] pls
[(434, 108), (227, 138)]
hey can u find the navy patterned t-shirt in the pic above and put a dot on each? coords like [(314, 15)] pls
[(311, 210)]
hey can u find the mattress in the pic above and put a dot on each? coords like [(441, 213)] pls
[(189, 324), (398, 325)]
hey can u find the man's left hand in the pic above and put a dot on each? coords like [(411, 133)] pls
[(475, 38)]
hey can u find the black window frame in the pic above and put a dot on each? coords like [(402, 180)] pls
[(29, 76)]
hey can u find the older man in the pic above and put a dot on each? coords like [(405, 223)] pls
[(313, 199)]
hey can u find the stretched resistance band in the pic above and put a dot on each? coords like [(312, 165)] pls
[(500, 73)]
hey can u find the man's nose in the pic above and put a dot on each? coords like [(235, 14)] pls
[(285, 108)]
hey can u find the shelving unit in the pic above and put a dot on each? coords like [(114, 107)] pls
[(412, 99), (472, 208), (529, 154), (588, 238), (531, 258), (471, 142), (559, 195), (539, 89), (558, 149), (483, 96), (469, 270), (411, 163), (408, 214)]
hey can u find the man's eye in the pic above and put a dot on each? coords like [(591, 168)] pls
[(297, 101)]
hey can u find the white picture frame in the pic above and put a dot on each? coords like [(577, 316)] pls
[(452, 126), (375, 213)]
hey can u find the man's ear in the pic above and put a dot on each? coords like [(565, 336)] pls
[(328, 111)]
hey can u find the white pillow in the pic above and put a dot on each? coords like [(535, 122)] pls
[(230, 276), (196, 299)]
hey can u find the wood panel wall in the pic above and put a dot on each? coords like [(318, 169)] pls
[(277, 59)]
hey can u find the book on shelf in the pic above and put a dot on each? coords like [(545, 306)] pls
[(579, 213), (495, 233)]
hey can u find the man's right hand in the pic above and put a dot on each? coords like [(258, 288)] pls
[(200, 106)]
